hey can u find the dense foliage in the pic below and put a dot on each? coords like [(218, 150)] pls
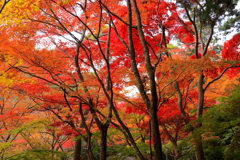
[(119, 79)]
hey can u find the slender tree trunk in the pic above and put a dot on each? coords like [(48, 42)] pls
[(153, 103), (200, 95), (77, 150), (156, 134), (89, 136), (103, 143), (199, 151), (198, 141)]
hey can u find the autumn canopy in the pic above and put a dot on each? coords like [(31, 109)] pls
[(119, 79)]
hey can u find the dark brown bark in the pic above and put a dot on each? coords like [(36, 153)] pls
[(90, 154), (156, 134), (180, 101), (104, 127), (198, 139), (199, 151), (4, 5), (77, 150), (84, 125), (201, 90), (200, 95), (103, 142), (152, 104)]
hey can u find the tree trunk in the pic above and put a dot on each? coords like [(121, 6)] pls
[(77, 150), (103, 143), (156, 134), (90, 154), (200, 95), (153, 103), (198, 142), (199, 151)]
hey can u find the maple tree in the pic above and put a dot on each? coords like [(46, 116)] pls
[(107, 73)]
